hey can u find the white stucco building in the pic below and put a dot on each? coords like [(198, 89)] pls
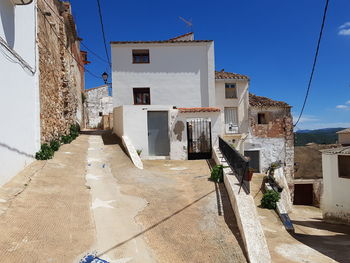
[(169, 100), (19, 102), (344, 137), (98, 103), (335, 202)]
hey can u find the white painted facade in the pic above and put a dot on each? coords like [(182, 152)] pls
[(98, 103), (179, 74), (335, 202), (241, 103), (131, 121), (19, 102)]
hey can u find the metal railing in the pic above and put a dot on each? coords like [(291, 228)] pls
[(237, 162)]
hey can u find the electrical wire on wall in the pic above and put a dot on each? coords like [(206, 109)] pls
[(17, 58)]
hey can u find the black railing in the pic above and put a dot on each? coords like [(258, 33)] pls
[(237, 162)]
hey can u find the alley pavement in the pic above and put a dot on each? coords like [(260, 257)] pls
[(90, 198)]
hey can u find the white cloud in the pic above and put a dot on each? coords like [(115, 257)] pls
[(344, 32), (319, 125), (348, 102), (344, 29), (345, 25), (304, 118), (343, 107)]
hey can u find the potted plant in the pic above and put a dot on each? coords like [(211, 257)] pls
[(250, 174)]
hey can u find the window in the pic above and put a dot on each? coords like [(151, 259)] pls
[(142, 96), (140, 56), (344, 166), (100, 113), (262, 118), (230, 91), (231, 116)]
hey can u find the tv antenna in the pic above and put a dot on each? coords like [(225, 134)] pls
[(188, 23)]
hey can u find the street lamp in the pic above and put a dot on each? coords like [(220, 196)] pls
[(22, 2), (105, 77)]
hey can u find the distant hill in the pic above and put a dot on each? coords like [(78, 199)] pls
[(319, 136)]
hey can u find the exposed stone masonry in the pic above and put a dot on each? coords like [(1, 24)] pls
[(61, 78), (279, 126)]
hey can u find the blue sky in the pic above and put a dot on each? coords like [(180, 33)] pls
[(271, 41)]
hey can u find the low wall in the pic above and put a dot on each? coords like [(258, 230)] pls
[(246, 215)]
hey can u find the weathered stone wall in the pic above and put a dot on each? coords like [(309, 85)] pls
[(279, 126), (97, 101), (60, 78)]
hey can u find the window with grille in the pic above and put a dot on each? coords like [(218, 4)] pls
[(142, 96), (230, 91)]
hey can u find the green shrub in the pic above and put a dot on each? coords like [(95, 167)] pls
[(55, 145), (66, 139), (45, 152), (74, 131), (270, 199), (217, 174)]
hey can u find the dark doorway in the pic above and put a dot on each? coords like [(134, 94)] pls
[(303, 194), (199, 139), (254, 160)]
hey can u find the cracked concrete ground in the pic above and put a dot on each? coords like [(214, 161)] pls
[(90, 197)]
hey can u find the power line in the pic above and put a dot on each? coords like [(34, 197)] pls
[(315, 60), (103, 32), (89, 49), (53, 30), (92, 52)]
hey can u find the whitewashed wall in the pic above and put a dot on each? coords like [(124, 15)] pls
[(19, 100), (97, 100), (179, 74), (271, 150), (241, 103), (335, 201), (178, 148), (131, 121)]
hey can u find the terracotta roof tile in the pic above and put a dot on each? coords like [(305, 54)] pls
[(259, 101), (160, 41), (199, 109), (229, 75), (344, 131)]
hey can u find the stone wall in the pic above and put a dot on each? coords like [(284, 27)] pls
[(60, 66), (279, 132), (98, 103)]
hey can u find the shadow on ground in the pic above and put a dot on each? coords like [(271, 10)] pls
[(335, 246)]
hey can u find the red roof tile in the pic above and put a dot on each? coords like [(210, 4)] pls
[(229, 75), (259, 101), (199, 109)]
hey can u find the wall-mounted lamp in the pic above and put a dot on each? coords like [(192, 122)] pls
[(105, 77), (22, 2)]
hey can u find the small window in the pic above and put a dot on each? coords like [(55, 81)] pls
[(344, 166), (230, 91), (140, 56), (142, 96), (100, 113), (262, 118), (230, 115)]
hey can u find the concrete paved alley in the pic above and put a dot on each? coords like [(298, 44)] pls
[(91, 198)]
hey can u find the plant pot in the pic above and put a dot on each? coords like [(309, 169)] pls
[(250, 175)]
